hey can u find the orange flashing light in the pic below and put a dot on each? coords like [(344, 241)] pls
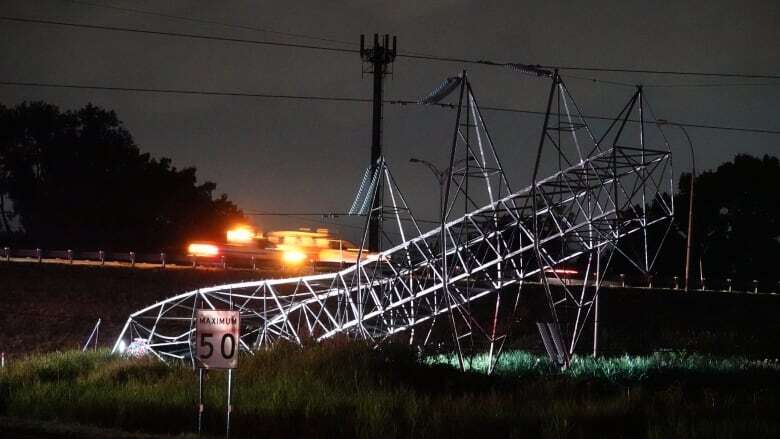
[(202, 250), (240, 235), (293, 257)]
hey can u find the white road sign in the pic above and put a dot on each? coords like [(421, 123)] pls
[(216, 337)]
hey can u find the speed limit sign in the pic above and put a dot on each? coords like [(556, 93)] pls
[(216, 338)]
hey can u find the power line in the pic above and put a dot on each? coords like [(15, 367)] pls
[(219, 23), (401, 102), (186, 92), (328, 214), (663, 72), (177, 34), (305, 217), (321, 223), (683, 124), (678, 85), (715, 85), (401, 55), (204, 21), (593, 69), (602, 81)]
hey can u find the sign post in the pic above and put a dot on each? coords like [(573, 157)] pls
[(200, 400), (217, 338), (229, 406)]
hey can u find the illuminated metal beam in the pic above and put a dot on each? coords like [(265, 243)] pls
[(491, 242)]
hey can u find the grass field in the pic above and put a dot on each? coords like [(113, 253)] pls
[(343, 389)]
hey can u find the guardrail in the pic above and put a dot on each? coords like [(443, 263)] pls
[(163, 259), (131, 258), (272, 266), (677, 283)]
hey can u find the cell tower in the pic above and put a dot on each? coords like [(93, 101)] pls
[(376, 61)]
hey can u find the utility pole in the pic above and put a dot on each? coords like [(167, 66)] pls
[(377, 57)]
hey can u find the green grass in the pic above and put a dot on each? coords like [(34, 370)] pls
[(623, 369), (343, 389)]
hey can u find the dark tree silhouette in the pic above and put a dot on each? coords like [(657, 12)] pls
[(736, 218), (736, 223), (77, 179)]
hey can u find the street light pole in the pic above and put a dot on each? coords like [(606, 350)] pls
[(690, 203), (690, 212), (441, 177)]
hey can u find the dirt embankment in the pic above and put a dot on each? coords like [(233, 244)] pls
[(45, 307)]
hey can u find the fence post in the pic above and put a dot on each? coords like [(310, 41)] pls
[(70, 256), (162, 259), (7, 253), (102, 256), (39, 254), (132, 259)]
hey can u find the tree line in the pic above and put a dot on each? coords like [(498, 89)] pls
[(76, 179), (736, 219)]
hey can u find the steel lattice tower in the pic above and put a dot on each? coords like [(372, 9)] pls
[(462, 281)]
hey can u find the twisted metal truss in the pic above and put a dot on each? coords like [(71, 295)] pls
[(461, 281)]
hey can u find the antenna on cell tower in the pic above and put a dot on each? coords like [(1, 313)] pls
[(377, 59)]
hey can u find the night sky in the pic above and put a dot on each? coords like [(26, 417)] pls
[(305, 156)]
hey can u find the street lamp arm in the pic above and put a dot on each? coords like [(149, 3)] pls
[(435, 170), (687, 137), (690, 144), (440, 174)]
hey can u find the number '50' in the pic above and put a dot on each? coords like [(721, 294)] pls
[(227, 345)]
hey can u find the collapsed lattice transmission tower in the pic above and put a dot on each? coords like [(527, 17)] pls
[(459, 285)]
